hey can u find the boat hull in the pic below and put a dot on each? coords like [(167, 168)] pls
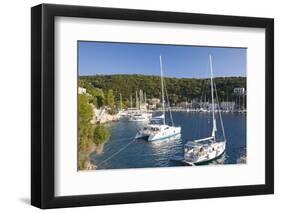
[(141, 118), (203, 162), (211, 156), (153, 138), (172, 132)]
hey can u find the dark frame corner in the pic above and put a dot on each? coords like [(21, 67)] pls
[(42, 105)]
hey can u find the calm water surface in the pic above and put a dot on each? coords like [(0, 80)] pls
[(121, 151)]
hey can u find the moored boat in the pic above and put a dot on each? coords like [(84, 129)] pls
[(140, 114), (206, 149), (140, 117), (159, 131)]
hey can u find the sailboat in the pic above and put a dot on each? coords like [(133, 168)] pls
[(162, 131), (206, 149), (122, 113), (140, 115)]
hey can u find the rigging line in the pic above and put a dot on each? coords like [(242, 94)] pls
[(123, 148), (168, 102), (222, 127)]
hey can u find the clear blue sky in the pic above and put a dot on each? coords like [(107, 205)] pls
[(106, 58)]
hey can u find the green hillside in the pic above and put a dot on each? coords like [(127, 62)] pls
[(179, 89)]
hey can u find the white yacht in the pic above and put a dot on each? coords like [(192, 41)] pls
[(141, 114), (206, 149), (157, 132), (140, 117), (162, 131), (203, 110)]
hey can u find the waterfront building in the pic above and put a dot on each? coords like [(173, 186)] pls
[(184, 104), (228, 105), (153, 103)]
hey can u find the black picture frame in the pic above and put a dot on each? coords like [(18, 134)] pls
[(43, 102)]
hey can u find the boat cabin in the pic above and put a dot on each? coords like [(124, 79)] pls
[(197, 148), (152, 128), (156, 128)]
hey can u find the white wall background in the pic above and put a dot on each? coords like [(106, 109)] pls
[(15, 104)]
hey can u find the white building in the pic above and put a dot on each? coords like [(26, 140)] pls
[(228, 105), (210, 106), (153, 102)]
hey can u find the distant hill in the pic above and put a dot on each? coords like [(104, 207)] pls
[(179, 89)]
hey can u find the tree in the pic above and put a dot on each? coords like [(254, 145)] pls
[(88, 134), (110, 99), (101, 134), (126, 103), (173, 98), (85, 128), (97, 98)]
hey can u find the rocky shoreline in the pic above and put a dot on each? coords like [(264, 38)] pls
[(88, 163), (102, 116)]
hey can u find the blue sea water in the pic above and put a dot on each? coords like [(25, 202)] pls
[(122, 151)]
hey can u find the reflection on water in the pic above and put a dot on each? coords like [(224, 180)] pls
[(142, 154)]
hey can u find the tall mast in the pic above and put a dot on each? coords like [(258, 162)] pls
[(141, 97), (120, 101), (162, 89), (212, 93), (131, 101), (145, 101), (137, 101)]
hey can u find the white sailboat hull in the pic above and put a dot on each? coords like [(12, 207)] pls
[(141, 117), (165, 132), (213, 151), (170, 132)]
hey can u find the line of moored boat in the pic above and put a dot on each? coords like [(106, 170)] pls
[(156, 129)]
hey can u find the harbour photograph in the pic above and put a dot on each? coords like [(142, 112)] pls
[(144, 105)]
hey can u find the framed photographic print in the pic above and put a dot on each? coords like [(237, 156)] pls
[(139, 106)]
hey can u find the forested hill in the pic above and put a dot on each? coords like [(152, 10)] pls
[(179, 89)]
